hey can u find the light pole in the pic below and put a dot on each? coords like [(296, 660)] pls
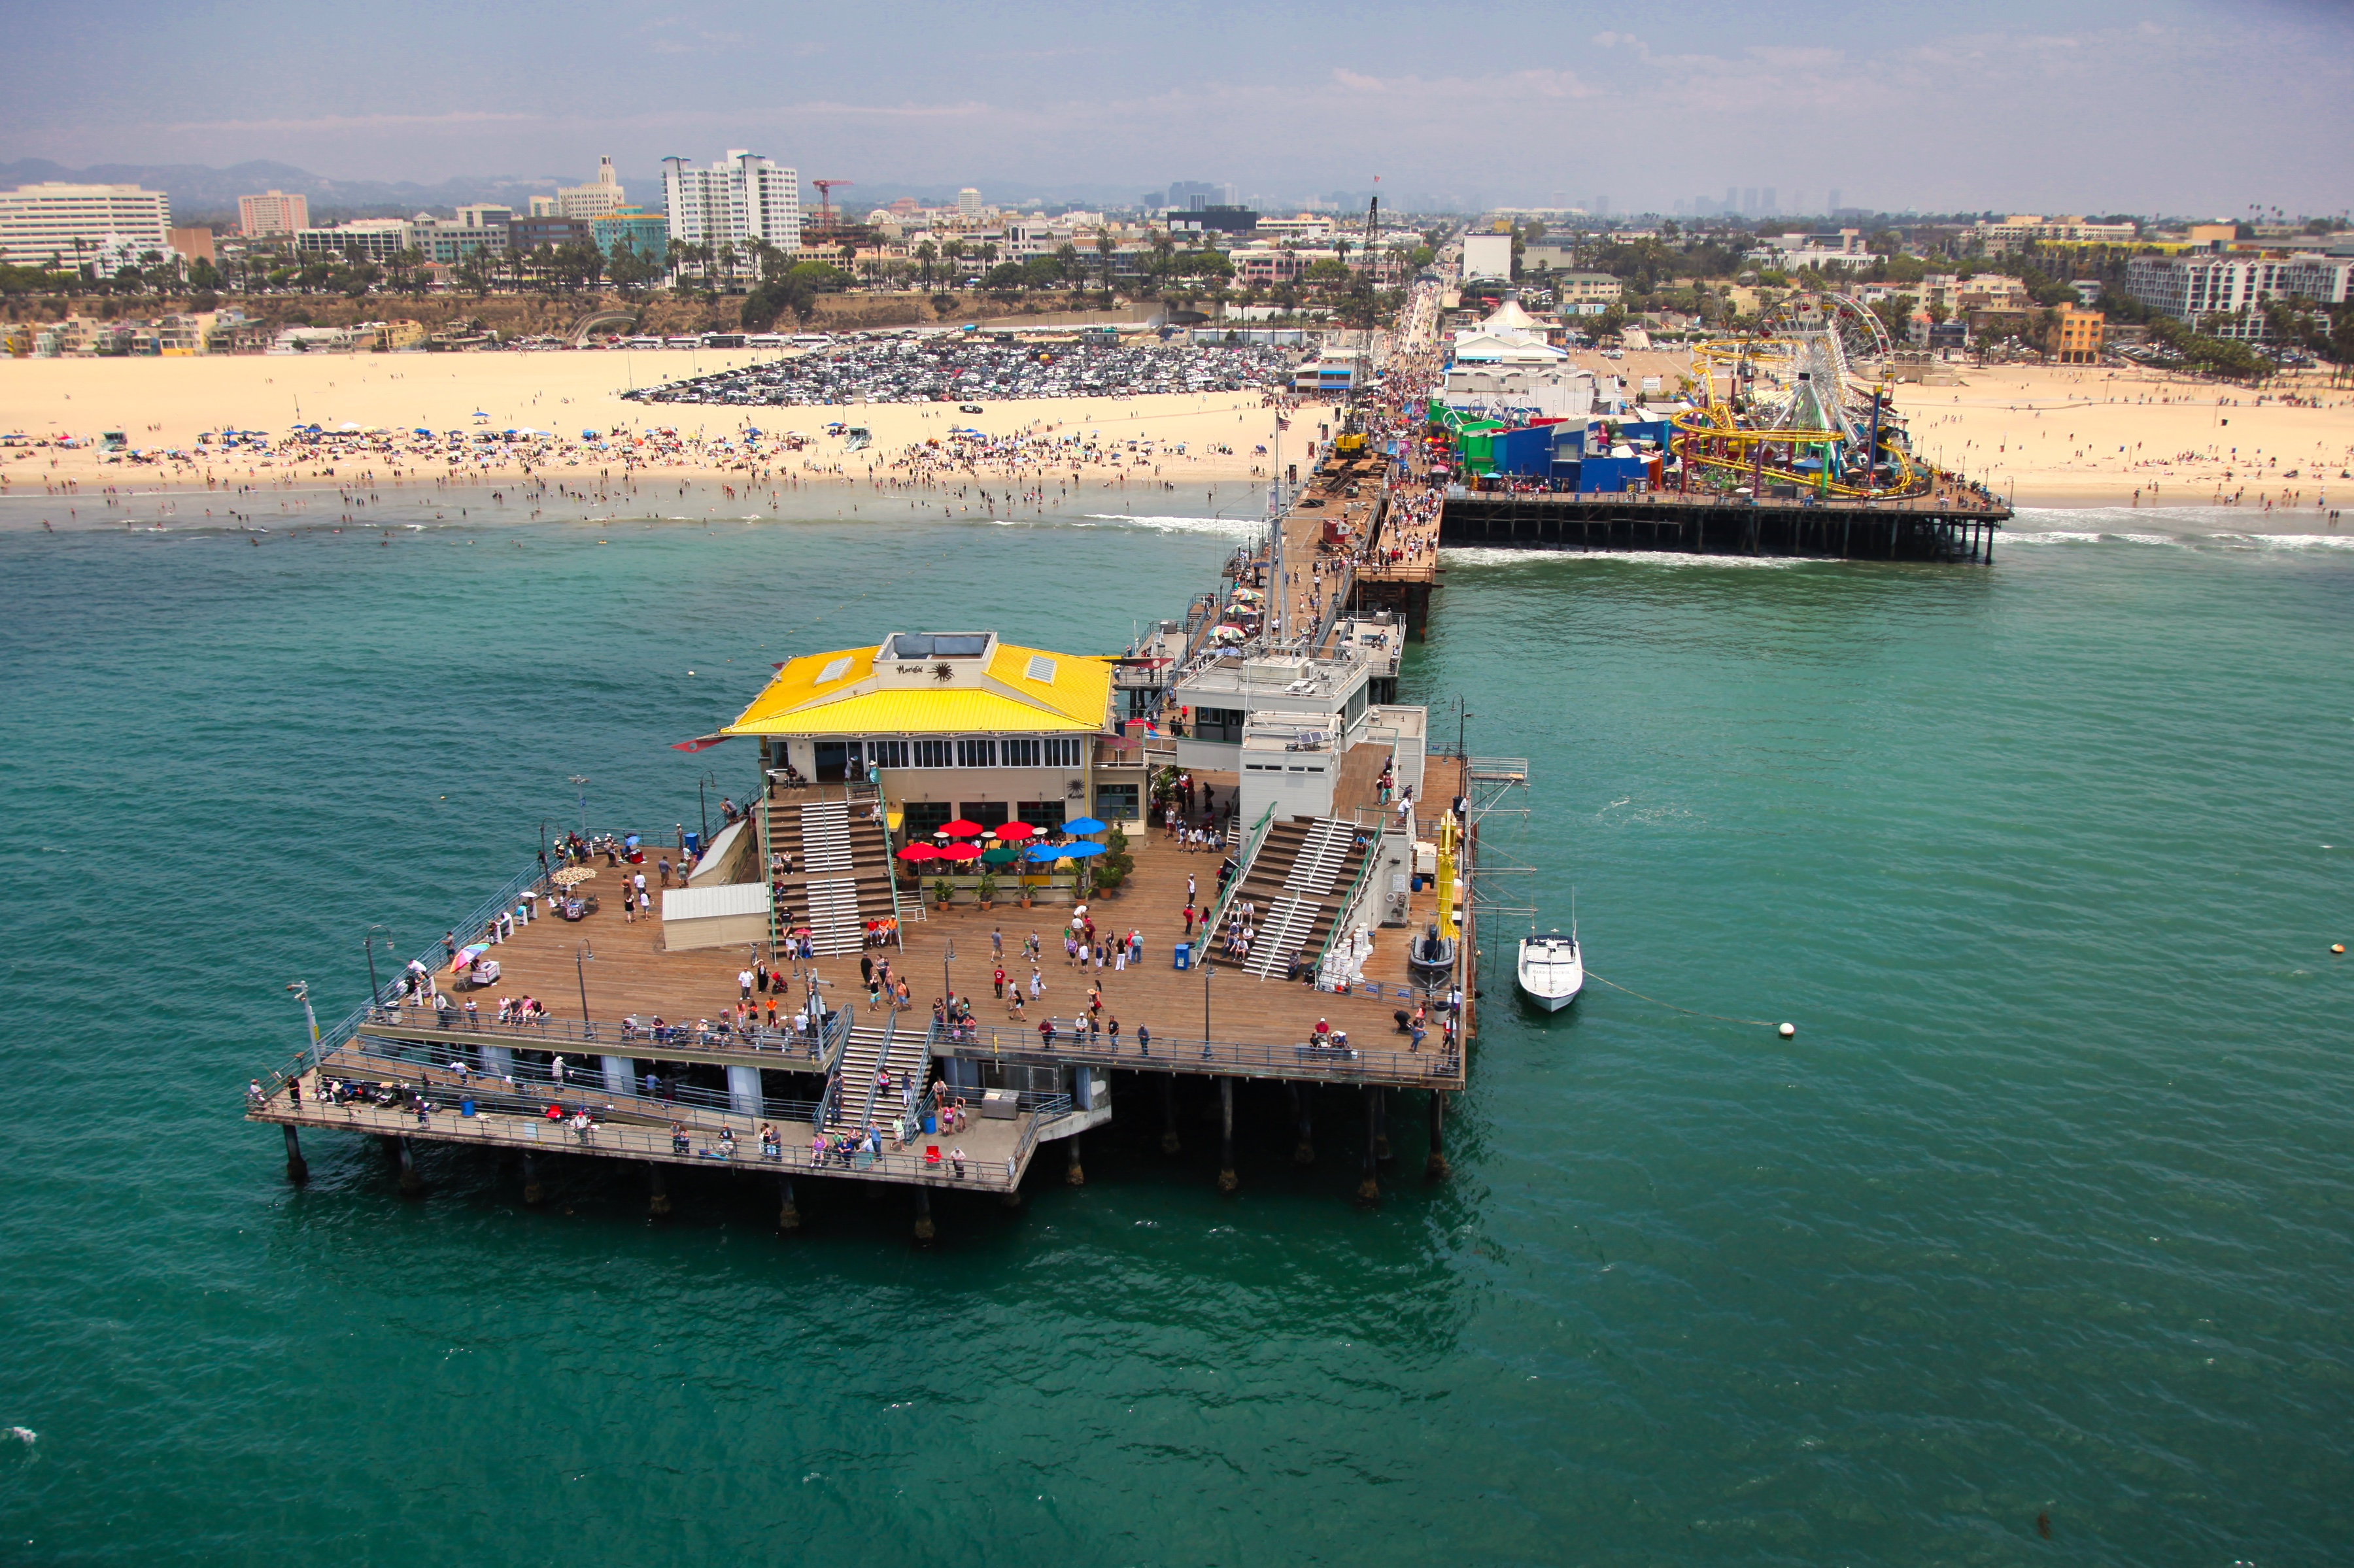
[(302, 989), (948, 988), (1206, 972), (367, 946), (704, 805), (580, 782), (581, 956), (1461, 713)]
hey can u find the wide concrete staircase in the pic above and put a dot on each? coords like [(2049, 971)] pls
[(840, 875), (1299, 881), (854, 1096)]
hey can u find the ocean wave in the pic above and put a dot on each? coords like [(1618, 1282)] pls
[(1229, 527)]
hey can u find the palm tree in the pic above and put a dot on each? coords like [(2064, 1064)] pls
[(954, 252), (1066, 258), (927, 254)]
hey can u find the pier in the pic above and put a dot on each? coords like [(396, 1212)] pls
[(1946, 529)]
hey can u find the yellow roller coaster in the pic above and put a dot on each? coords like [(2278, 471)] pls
[(1804, 404)]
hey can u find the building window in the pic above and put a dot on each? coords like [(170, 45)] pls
[(976, 751), (888, 753), (933, 754), (1043, 815), (1116, 802), (1018, 751), (925, 818), (1218, 724), (1062, 751)]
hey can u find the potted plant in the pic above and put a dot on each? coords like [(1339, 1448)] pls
[(942, 893), (986, 888), (1026, 886)]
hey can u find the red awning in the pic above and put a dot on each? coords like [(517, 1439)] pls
[(700, 743)]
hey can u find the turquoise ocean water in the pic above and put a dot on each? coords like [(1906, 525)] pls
[(2048, 1209)]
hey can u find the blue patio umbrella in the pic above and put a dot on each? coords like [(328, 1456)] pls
[(1084, 825), (1062, 851)]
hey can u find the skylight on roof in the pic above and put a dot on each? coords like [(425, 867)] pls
[(1040, 669), (835, 669)]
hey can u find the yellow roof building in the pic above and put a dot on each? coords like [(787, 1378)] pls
[(933, 683)]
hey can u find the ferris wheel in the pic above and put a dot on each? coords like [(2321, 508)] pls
[(1840, 341)]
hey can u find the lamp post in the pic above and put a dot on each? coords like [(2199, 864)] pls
[(580, 783), (367, 946), (582, 957), (947, 987), (1206, 972), (704, 804), (302, 989)]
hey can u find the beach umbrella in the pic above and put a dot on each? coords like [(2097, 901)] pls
[(962, 828), (467, 955), (1084, 826), (1014, 833), (573, 875), (960, 852), (1063, 852), (1004, 854), (919, 851)]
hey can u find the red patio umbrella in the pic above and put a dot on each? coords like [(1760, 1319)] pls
[(958, 852), (1014, 833), (961, 829), (919, 851)]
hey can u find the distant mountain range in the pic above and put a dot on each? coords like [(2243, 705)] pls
[(199, 192)]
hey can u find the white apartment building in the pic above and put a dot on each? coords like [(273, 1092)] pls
[(739, 199), (2234, 287), (62, 220), (1306, 226), (376, 239), (259, 217), (2000, 239), (968, 203), (601, 197)]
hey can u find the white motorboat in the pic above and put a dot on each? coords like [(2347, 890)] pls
[(1551, 971)]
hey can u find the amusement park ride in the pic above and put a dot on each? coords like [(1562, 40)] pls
[(1803, 405)]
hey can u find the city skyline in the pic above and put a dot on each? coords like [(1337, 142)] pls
[(1998, 110)]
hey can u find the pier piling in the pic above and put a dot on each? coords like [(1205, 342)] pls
[(1227, 1180), (788, 1216), (1074, 1174), (659, 1204), (531, 1188), (410, 1182), (1382, 1130), (1369, 1187), (1435, 1169), (924, 1230), (1170, 1142), (1303, 1113), (298, 1170)]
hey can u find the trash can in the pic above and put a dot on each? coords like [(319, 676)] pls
[(465, 1108), (931, 1125), (1185, 955)]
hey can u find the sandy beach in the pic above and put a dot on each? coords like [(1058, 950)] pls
[(167, 403), (2046, 437)]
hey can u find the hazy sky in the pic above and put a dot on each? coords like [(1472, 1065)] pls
[(2050, 105)]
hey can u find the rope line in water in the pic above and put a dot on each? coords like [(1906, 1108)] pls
[(1696, 1012)]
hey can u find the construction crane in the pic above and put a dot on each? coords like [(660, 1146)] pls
[(825, 189)]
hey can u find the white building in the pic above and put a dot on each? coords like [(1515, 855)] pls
[(37, 222), (275, 213), (376, 239), (740, 200), (601, 197), (968, 203), (2233, 288), (1487, 255)]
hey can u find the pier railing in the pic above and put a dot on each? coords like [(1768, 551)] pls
[(796, 1048), (1354, 1063), (529, 1087)]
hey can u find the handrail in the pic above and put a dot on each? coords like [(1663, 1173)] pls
[(1251, 843), (1341, 915), (615, 1038), (882, 1066), (1353, 1064), (587, 1088)]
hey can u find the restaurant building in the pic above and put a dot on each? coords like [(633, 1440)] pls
[(953, 724)]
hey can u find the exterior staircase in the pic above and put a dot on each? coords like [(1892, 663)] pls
[(853, 1099), (1298, 880), (841, 869)]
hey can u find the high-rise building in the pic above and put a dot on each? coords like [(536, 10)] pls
[(1732, 199), (596, 199), (541, 205), (1831, 208), (1767, 205), (37, 222), (277, 213), (1748, 200), (968, 203), (741, 199)]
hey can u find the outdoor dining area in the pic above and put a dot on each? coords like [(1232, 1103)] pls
[(963, 856)]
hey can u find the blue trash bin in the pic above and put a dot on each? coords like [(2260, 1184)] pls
[(465, 1108), (931, 1125), (1185, 955)]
